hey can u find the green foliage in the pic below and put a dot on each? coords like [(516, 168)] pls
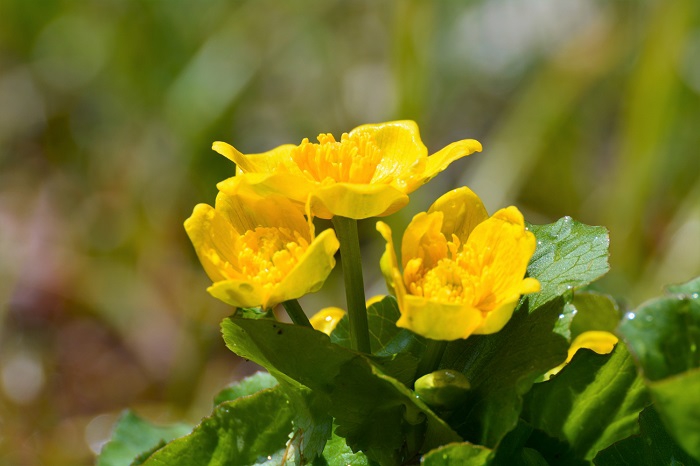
[(324, 404), (569, 254), (651, 447), (385, 337), (664, 336), (248, 386), (594, 311), (593, 402), (458, 454), (501, 368), (375, 413), (133, 436), (238, 433)]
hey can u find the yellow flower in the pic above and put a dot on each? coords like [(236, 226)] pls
[(368, 173), (259, 251), (327, 319), (462, 271), (597, 340)]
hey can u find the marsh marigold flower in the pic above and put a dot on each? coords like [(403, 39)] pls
[(259, 251), (462, 270), (369, 172)]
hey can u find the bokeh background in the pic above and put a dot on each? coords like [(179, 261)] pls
[(107, 113)]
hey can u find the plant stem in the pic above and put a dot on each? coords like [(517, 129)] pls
[(346, 230), (296, 313), (431, 358)]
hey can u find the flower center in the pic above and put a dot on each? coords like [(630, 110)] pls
[(266, 255), (462, 278), (354, 159)]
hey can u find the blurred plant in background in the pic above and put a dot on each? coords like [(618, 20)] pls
[(108, 110)]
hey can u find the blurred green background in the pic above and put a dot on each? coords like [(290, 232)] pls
[(108, 110)]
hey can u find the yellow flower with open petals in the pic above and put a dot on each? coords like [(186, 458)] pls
[(259, 251), (368, 173), (462, 270)]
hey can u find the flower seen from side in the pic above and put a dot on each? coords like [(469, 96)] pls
[(259, 251), (462, 272), (369, 172)]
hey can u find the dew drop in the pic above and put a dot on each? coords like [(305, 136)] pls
[(630, 315)]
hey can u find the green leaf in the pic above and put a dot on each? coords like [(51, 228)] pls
[(594, 311), (501, 369), (248, 386), (594, 401), (375, 413), (133, 436), (569, 254), (254, 313), (691, 287), (651, 447), (588, 311), (385, 337), (238, 433), (676, 400), (664, 336), (459, 454), (336, 453)]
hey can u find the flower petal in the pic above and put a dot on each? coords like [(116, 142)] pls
[(438, 321), (247, 210), (423, 240), (445, 156), (212, 237), (266, 162), (462, 210), (388, 263), (356, 201), (296, 188), (310, 272), (239, 293), (503, 248), (327, 319), (495, 320)]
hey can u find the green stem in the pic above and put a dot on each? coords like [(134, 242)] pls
[(296, 313), (431, 358), (346, 230)]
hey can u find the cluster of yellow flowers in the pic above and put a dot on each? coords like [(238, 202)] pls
[(462, 272)]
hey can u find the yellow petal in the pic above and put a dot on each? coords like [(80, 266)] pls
[(374, 300), (239, 293), (211, 236), (497, 319), (246, 211), (438, 321), (502, 248), (597, 340), (445, 156), (310, 272), (266, 162), (424, 240), (293, 187), (388, 263), (462, 210), (403, 153), (356, 201), (327, 319), (530, 285)]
